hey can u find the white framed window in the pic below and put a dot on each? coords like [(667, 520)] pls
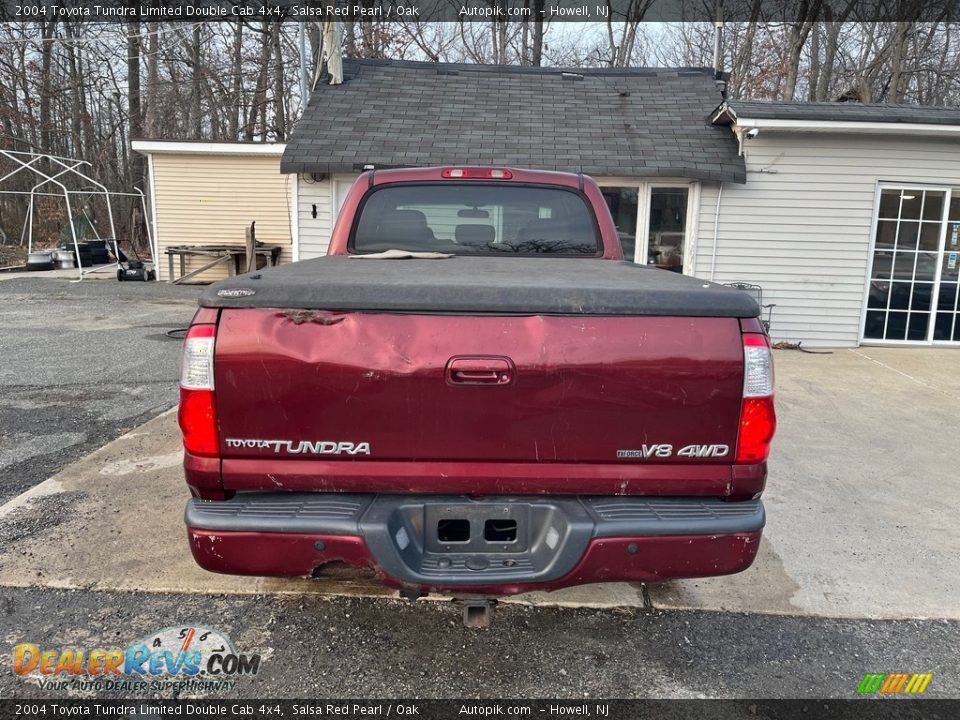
[(911, 294), (655, 219)]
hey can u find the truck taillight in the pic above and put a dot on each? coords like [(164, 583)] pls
[(758, 421), (197, 415)]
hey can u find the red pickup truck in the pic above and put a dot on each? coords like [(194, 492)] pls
[(514, 407)]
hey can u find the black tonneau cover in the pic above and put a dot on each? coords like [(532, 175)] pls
[(514, 285)]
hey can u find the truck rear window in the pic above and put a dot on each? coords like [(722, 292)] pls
[(476, 219)]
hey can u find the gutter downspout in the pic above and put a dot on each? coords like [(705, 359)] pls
[(716, 234)]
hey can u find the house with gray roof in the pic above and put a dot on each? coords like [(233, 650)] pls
[(644, 134), (849, 220), (846, 216)]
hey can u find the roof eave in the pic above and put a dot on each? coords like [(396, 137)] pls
[(187, 147), (730, 174), (723, 115), (847, 126)]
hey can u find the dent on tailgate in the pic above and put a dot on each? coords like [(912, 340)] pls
[(368, 387)]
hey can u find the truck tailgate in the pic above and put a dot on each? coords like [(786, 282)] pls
[(354, 387)]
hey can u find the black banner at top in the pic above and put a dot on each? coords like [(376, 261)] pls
[(481, 10)]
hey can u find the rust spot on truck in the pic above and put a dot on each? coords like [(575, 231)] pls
[(340, 570), (317, 317)]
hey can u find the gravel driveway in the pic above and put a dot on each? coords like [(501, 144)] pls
[(80, 364)]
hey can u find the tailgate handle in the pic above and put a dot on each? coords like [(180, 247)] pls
[(480, 371)]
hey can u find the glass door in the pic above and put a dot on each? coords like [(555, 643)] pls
[(624, 206), (652, 220), (912, 295), (946, 327), (668, 227)]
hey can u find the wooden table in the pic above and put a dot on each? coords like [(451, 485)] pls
[(234, 256)]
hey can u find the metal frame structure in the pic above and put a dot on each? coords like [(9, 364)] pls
[(68, 167)]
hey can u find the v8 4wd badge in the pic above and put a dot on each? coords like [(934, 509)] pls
[(665, 451)]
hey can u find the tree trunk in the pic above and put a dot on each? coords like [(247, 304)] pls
[(279, 96), (133, 100), (814, 79), (76, 83), (525, 52), (258, 103), (237, 86), (153, 92), (47, 33), (537, 56), (196, 114), (797, 34), (898, 79), (825, 77)]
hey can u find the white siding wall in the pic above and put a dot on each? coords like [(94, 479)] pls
[(800, 227), (326, 194), (314, 232), (211, 199)]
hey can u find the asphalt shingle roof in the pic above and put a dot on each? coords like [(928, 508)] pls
[(845, 111), (619, 122)]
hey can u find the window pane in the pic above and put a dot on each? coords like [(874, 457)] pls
[(886, 233), (900, 295), (947, 300), (917, 329), (933, 205), (943, 326), (926, 267), (955, 205), (896, 326), (873, 328), (889, 204), (623, 204), (922, 296), (903, 265), (908, 235), (910, 202), (879, 292), (930, 236), (953, 236), (951, 267), (668, 221), (882, 265)]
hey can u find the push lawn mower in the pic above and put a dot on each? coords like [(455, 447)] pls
[(132, 270)]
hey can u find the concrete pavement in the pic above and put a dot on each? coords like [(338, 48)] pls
[(863, 493), (862, 501)]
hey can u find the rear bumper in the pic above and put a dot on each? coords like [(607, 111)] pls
[(557, 542)]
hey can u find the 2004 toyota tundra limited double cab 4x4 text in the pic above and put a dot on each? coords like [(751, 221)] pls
[(512, 408)]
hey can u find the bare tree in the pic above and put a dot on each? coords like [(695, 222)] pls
[(135, 118)]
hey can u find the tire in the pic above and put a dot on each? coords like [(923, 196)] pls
[(119, 275)]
